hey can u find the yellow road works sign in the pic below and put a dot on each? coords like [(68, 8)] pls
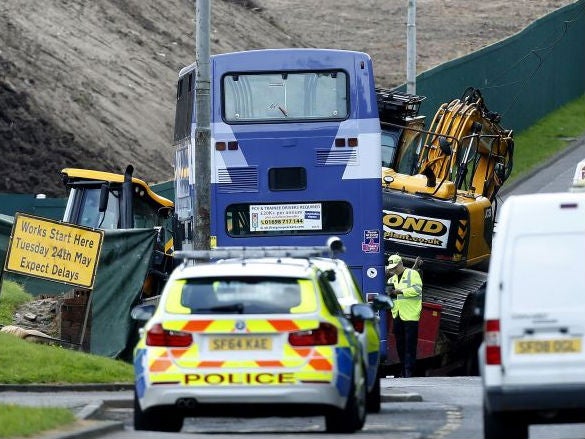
[(53, 250)]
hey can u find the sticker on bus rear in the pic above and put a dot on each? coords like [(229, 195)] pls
[(371, 242)]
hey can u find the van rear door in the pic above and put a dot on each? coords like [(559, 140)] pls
[(543, 293)]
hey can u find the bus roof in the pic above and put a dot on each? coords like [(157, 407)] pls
[(283, 59)]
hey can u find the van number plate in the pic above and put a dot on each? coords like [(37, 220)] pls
[(565, 346), (242, 343)]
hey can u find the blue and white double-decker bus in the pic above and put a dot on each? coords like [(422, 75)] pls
[(295, 153)]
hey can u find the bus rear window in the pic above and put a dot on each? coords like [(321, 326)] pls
[(285, 179), (285, 96), (324, 217)]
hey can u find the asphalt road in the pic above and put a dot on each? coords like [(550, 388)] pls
[(413, 408), (555, 175)]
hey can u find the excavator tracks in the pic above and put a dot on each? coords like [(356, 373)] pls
[(461, 296)]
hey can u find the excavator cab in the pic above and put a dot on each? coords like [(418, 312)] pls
[(110, 201), (402, 130)]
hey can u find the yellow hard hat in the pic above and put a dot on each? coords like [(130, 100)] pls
[(394, 260)]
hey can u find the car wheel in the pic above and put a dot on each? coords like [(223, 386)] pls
[(499, 425), (157, 418), (353, 416), (374, 400)]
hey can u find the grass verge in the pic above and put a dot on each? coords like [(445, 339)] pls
[(549, 136), (47, 364), (24, 362), (55, 365), (13, 295), (18, 421)]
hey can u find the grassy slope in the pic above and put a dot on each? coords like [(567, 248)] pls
[(548, 137)]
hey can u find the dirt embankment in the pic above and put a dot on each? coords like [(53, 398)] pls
[(92, 84)]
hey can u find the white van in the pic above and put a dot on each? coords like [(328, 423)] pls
[(532, 360)]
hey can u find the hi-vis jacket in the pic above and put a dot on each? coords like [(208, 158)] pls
[(407, 305)]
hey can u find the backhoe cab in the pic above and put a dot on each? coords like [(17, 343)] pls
[(109, 201)]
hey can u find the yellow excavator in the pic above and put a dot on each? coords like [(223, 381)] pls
[(439, 188)]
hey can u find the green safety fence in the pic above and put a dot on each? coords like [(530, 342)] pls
[(524, 77)]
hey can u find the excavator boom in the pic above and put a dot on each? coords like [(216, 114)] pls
[(465, 144)]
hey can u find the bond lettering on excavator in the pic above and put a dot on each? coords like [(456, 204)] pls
[(414, 224)]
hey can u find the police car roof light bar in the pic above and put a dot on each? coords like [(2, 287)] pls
[(332, 249), (253, 252)]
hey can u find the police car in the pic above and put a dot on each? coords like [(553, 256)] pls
[(250, 336), (368, 332)]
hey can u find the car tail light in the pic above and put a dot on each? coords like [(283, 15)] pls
[(493, 352), (358, 325), (158, 336), (325, 334)]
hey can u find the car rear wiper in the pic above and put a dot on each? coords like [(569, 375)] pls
[(237, 308)]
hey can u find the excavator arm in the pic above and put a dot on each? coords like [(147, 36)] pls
[(465, 144)]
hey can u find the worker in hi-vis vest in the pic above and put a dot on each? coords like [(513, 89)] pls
[(405, 288)]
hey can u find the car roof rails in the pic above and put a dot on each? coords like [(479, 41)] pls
[(334, 246)]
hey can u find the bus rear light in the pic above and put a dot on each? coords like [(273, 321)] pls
[(340, 141), (352, 141), (493, 352), (220, 146), (325, 334), (232, 146), (158, 336)]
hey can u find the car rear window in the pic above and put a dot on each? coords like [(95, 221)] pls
[(243, 295)]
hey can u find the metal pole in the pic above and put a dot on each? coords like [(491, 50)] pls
[(411, 48), (201, 225), (85, 319)]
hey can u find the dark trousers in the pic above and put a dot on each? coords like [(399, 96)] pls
[(406, 335)]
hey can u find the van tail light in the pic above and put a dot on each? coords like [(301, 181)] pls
[(158, 336), (325, 334), (493, 352)]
